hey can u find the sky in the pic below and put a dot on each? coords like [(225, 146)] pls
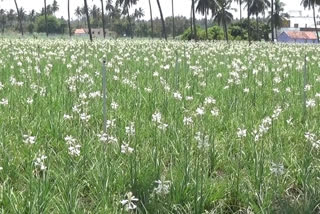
[(182, 7)]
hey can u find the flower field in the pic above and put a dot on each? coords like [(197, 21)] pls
[(189, 127)]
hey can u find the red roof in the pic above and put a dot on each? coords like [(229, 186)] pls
[(79, 31), (302, 35)]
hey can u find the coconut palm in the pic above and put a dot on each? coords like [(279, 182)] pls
[(173, 25), (257, 7), (311, 4), (151, 20), (194, 20), (240, 6), (203, 7), (19, 17), (278, 16), (126, 4), (3, 19), (69, 25), (88, 18), (222, 15), (164, 32), (103, 20), (55, 6), (45, 15), (272, 22)]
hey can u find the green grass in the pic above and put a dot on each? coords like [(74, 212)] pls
[(203, 162)]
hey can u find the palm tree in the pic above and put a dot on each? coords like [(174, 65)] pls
[(69, 25), (55, 6), (311, 4), (257, 7), (173, 24), (88, 18), (203, 8), (249, 2), (19, 17), (3, 19), (151, 19), (126, 6), (272, 23), (223, 16), (194, 21), (240, 7), (164, 32), (103, 20), (45, 15), (278, 16), (78, 14)]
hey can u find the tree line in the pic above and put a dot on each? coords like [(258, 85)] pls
[(118, 16)]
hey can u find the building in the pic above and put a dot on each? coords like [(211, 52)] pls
[(80, 32), (96, 32), (298, 37), (302, 19)]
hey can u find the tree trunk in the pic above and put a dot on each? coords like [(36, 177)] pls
[(206, 24), (19, 17), (88, 19), (130, 25), (191, 27), (163, 23), (315, 21), (194, 22), (257, 27), (173, 26), (272, 21), (249, 31), (103, 21), (151, 19), (69, 25), (45, 16), (225, 29), (240, 4)]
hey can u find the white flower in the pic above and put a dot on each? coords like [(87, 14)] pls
[(29, 139), (67, 117), (129, 203), (200, 111), (310, 103), (1, 168), (209, 100), (70, 140), (104, 137), (203, 140), (177, 95), (215, 112), (163, 187), (246, 90), (125, 148), (39, 162), (85, 117), (277, 169), (114, 105), (242, 133), (307, 87), (156, 117), (189, 98), (74, 150), (316, 144), (29, 100), (130, 130), (4, 102), (187, 121), (162, 126)]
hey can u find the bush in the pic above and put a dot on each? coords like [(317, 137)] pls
[(53, 24)]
